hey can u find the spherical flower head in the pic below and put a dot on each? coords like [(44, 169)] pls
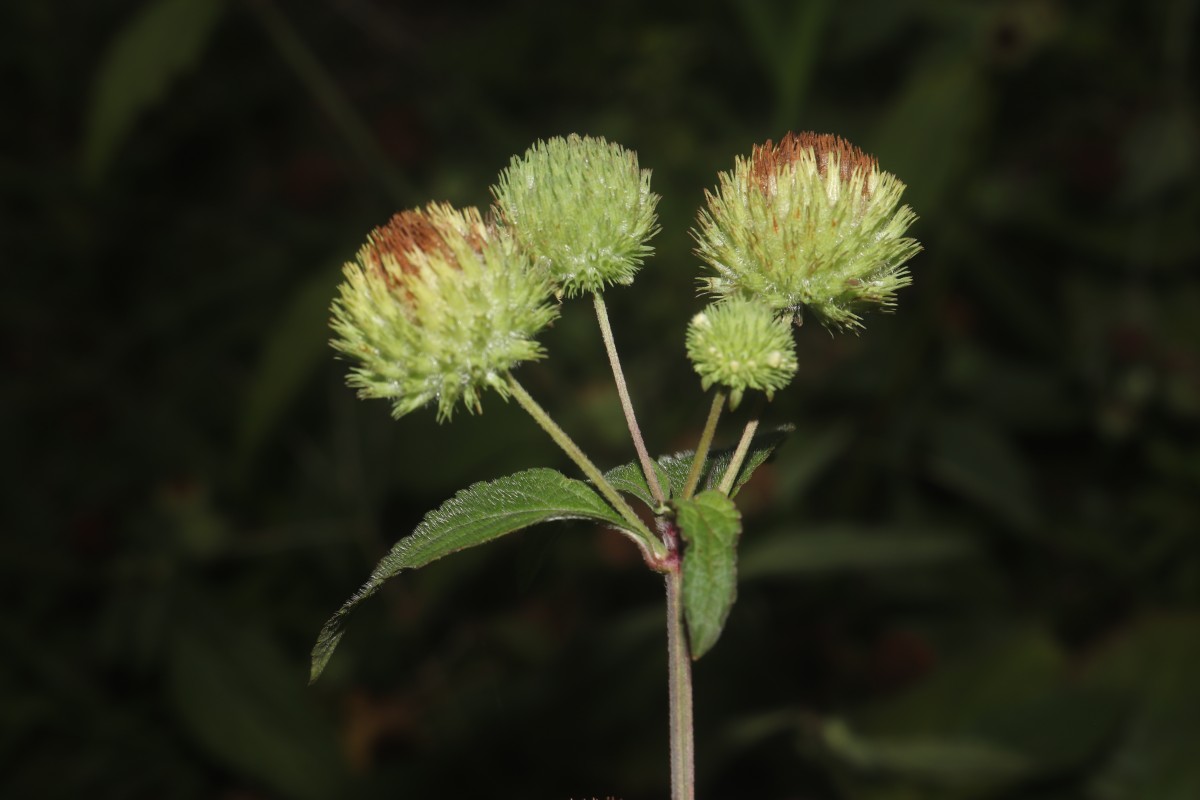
[(742, 344), (438, 306), (581, 207), (811, 222)]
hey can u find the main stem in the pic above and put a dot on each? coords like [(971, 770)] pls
[(679, 663), (635, 431), (679, 683)]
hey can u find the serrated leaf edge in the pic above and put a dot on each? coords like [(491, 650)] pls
[(332, 631)]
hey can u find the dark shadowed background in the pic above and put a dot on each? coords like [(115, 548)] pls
[(972, 571)]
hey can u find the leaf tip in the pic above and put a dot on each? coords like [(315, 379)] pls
[(327, 642)]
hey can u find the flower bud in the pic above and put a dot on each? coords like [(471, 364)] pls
[(581, 207), (437, 306), (809, 223), (741, 344)]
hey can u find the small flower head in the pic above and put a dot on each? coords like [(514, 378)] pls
[(582, 208), (741, 344), (811, 222), (437, 306)]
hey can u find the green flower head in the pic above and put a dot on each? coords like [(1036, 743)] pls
[(811, 222), (741, 344), (582, 208), (437, 306)]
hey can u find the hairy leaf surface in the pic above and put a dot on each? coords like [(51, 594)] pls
[(673, 469), (477, 514), (710, 525)]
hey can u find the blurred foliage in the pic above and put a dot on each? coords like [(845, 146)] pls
[(972, 571)]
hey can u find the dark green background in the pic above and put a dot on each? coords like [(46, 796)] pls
[(973, 571)]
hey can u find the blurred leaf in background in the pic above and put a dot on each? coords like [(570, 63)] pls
[(164, 40), (974, 570)]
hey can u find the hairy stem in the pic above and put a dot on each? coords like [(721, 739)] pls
[(739, 455), (635, 431), (679, 683), (649, 541), (703, 446)]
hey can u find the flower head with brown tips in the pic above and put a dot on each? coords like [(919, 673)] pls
[(437, 306), (808, 223)]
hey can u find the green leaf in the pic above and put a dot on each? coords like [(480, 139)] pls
[(925, 136), (1060, 729), (788, 40), (964, 732), (761, 448), (477, 514), (673, 469), (950, 761), (980, 723), (629, 478), (970, 456), (1005, 710), (841, 548), (1154, 665), (710, 525), (154, 49), (293, 350), (821, 448), (1007, 670)]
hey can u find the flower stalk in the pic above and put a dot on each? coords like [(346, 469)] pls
[(703, 446), (739, 455), (635, 431), (650, 544)]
